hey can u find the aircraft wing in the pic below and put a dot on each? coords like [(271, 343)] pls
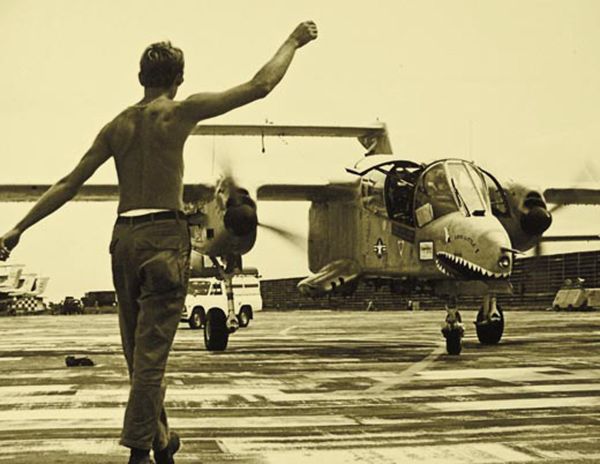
[(570, 238), (31, 192), (94, 192), (573, 196), (308, 192)]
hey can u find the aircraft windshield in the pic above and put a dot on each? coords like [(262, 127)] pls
[(468, 187), (198, 287), (447, 187)]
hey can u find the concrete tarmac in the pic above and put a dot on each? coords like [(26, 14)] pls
[(315, 387)]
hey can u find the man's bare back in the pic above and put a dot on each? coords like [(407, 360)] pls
[(146, 141), (164, 127)]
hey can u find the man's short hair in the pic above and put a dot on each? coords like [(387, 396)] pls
[(160, 64)]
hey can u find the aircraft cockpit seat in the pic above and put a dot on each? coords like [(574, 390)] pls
[(400, 188)]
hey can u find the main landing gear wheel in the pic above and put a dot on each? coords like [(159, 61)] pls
[(453, 342), (197, 319), (453, 331), (489, 332), (244, 317), (216, 333)]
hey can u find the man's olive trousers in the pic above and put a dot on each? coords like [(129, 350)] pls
[(150, 264)]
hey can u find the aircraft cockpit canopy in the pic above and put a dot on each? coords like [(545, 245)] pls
[(448, 186), (387, 186)]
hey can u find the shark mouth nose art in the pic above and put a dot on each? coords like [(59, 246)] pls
[(457, 266)]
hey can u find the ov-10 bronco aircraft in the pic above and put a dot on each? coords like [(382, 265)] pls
[(449, 225)]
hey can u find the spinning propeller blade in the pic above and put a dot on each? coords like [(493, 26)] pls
[(293, 237)]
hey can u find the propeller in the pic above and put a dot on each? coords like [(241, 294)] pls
[(240, 216), (292, 237), (240, 209)]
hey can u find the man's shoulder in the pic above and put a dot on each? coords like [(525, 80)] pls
[(124, 118)]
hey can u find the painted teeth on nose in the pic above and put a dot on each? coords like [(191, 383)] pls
[(441, 268)]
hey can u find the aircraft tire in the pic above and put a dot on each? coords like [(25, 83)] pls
[(454, 342), (489, 333), (197, 319), (216, 334), (244, 317)]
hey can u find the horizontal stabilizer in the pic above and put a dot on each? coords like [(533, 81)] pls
[(373, 137)]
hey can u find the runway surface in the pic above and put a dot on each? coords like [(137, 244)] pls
[(315, 387)]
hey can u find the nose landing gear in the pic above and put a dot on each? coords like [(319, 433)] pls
[(453, 330), (490, 322)]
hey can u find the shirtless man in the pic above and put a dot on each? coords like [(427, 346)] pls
[(150, 245)]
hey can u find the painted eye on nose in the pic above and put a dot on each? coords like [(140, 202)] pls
[(504, 262)]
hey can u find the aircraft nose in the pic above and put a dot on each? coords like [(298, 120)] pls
[(241, 219), (477, 248), (496, 246)]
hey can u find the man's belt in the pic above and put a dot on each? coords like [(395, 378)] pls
[(151, 217)]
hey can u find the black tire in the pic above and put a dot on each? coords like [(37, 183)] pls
[(244, 316), (489, 333), (216, 334), (197, 318), (454, 342)]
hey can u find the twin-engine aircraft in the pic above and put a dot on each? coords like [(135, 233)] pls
[(448, 225)]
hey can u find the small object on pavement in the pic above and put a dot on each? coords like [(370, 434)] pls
[(72, 361)]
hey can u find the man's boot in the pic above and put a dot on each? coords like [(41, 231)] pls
[(139, 456), (165, 456)]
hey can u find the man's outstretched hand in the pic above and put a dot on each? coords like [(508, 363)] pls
[(304, 33), (8, 242)]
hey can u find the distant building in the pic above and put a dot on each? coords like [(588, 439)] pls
[(99, 298), (20, 292)]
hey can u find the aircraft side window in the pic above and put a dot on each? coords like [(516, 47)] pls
[(498, 200), (372, 191), (424, 214), (433, 190)]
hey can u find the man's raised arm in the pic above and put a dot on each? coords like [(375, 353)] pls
[(207, 105), (57, 195)]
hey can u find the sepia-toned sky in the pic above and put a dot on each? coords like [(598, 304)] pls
[(511, 84)]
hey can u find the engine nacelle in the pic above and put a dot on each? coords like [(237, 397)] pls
[(527, 216), (229, 222)]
